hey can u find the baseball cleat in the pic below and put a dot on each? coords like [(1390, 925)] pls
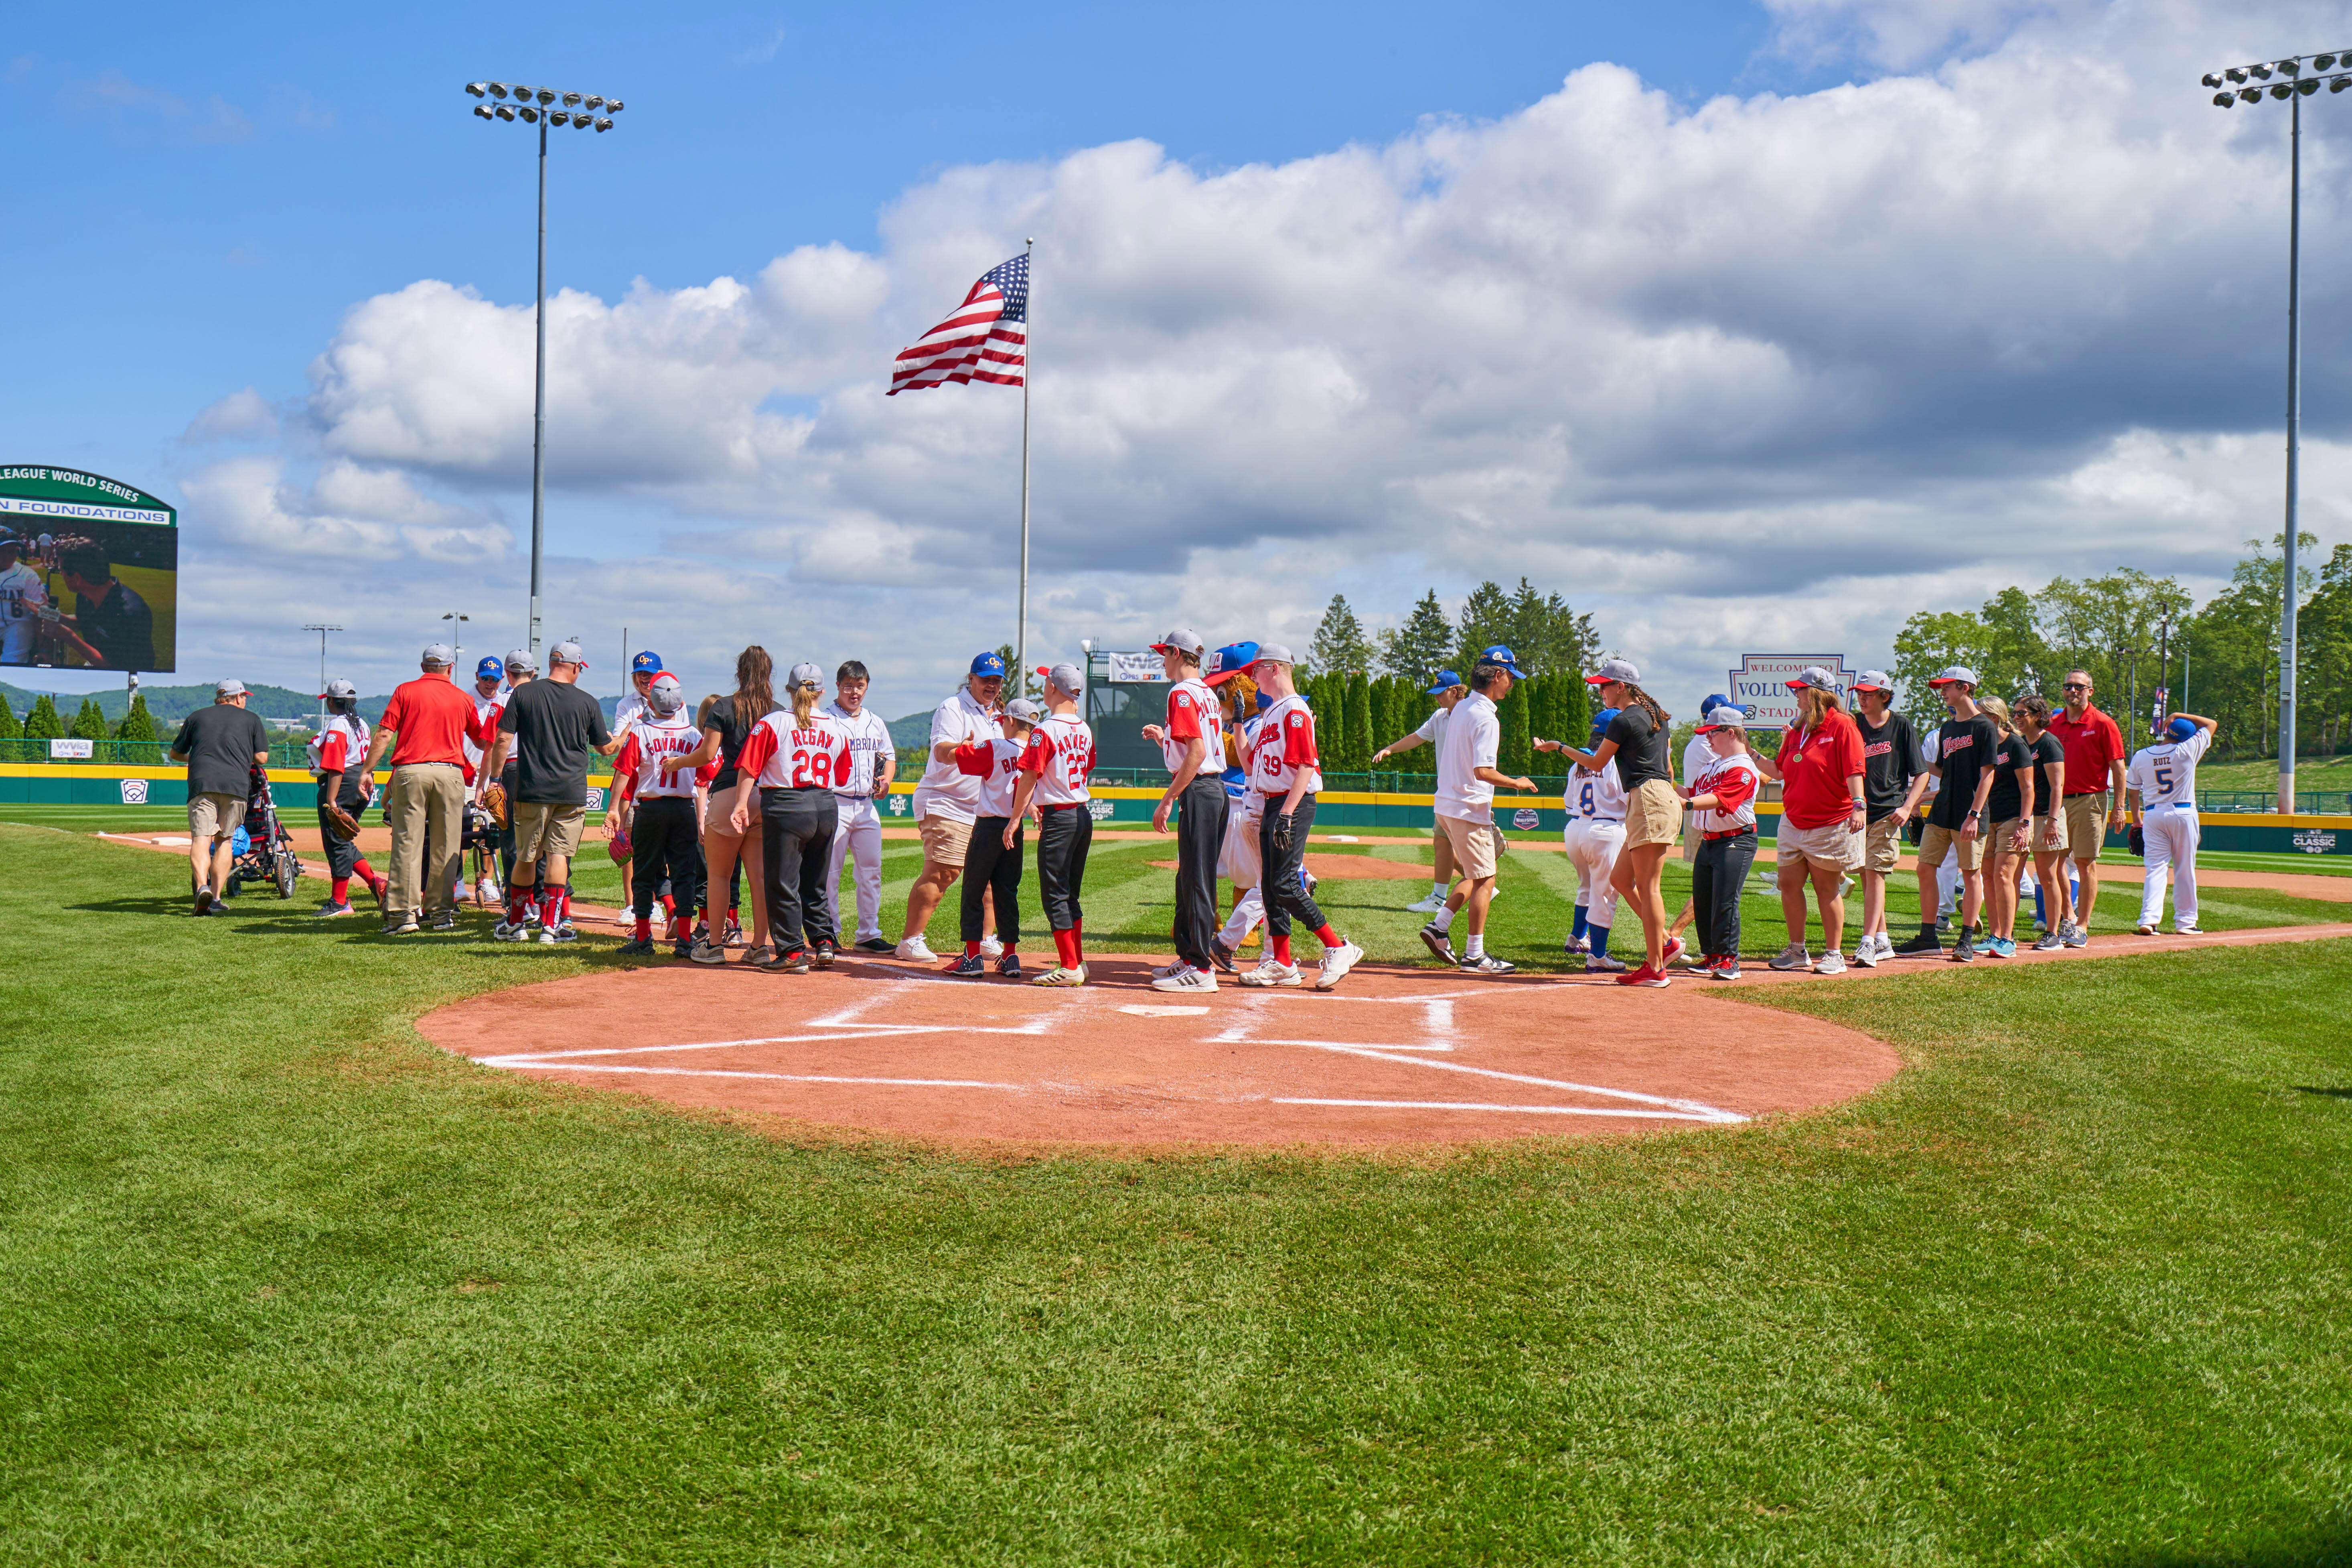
[(1186, 978), (333, 908), (511, 930), (1486, 963), (1336, 964), (915, 950), (1428, 906), (380, 886), (1601, 964), (1577, 944), (1220, 955), (874, 944), (1270, 973), (825, 952), (1059, 975), (1009, 966), (2144, 929), (756, 956), (638, 947), (1435, 939), (734, 934), (971, 966)]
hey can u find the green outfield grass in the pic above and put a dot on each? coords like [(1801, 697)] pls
[(281, 1284)]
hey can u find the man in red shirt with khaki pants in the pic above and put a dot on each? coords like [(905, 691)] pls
[(426, 804), (2095, 792)]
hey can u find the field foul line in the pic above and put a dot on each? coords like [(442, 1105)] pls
[(1696, 1110), (535, 1064), (857, 1032), (1516, 1110)]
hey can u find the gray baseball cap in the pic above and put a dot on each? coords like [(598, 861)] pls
[(568, 653), (804, 674), (1024, 709), (1874, 680), (1813, 677), (666, 696), (1273, 653), (1618, 669), (1726, 717), (437, 653), (1066, 678), (229, 689), (519, 660), (1957, 674), (339, 689), (1183, 640)]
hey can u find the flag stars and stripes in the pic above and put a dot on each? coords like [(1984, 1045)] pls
[(986, 337)]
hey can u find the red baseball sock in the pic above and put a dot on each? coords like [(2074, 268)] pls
[(680, 929), (518, 904), (1329, 938), (1079, 939), (363, 871), (550, 908), (1282, 948), (668, 904), (645, 928), (971, 948), (1065, 943), (343, 890)]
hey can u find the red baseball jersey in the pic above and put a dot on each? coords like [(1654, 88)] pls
[(1192, 712), (1061, 753), (785, 755)]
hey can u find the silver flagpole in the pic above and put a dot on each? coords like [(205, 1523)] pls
[(1028, 364)]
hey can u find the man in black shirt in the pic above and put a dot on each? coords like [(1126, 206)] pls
[(114, 628), (1894, 775), (1965, 749), (221, 745), (550, 726)]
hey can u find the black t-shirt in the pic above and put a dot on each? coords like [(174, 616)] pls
[(731, 737), (2047, 752), (219, 742), (554, 723), (120, 628), (1965, 749), (2008, 798), (1641, 748), (1891, 759)]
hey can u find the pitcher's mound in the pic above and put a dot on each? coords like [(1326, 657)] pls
[(1392, 1057)]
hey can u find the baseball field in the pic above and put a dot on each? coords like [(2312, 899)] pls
[(283, 1282)]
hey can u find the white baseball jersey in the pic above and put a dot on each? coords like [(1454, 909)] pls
[(340, 746), (785, 755), (1473, 739), (655, 738), (996, 764), (22, 598), (1596, 798), (961, 721), (1061, 752), (2166, 772), (1192, 710), (485, 719), (1736, 781), (1283, 747), (1252, 804), (869, 742)]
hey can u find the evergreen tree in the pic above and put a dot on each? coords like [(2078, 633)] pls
[(88, 723), (1360, 723), (1340, 646), (1418, 649), (10, 730), (1485, 620), (1546, 638), (43, 723), (137, 724)]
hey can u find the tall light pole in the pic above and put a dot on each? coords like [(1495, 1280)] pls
[(2245, 84), (535, 106), (456, 639), (322, 632)]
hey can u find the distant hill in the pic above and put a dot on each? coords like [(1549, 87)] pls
[(910, 732)]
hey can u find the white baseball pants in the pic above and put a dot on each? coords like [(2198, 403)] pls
[(1244, 920), (858, 832), (1593, 845), (2171, 833)]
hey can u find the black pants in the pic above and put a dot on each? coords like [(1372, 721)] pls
[(665, 844), (343, 857), (1281, 886), (1062, 844), (796, 835), (1717, 875), (992, 869), (1199, 834)]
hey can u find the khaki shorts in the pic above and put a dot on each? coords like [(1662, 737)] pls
[(2087, 824), (1653, 812), (1833, 846), (2041, 841), (1882, 848), (718, 825), (1933, 841), (214, 816), (545, 832), (1692, 834), (2002, 833), (1472, 844), (945, 840)]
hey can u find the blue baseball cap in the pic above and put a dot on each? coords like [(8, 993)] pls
[(988, 664), (1600, 722), (1446, 681), (646, 663), (1229, 661), (490, 670), (2181, 729), (1499, 658)]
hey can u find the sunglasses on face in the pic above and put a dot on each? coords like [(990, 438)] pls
[(2074, 686)]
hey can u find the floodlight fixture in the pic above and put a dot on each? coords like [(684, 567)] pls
[(603, 125), (2339, 83), (2250, 94), (612, 104), (530, 116), (482, 112), (2235, 73), (571, 99), (2260, 73), (475, 87), (498, 90), (504, 112), (2225, 99), (581, 121), (2323, 62), (522, 95), (595, 103), (547, 95), (559, 118)]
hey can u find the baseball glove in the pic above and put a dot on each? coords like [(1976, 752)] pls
[(343, 823), (2138, 840), (618, 847), (494, 800)]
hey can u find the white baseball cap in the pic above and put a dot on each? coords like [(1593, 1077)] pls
[(437, 653), (1874, 680), (1959, 674), (1065, 678), (1272, 653), (1183, 640), (1618, 669)]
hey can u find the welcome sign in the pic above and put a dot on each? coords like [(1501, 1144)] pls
[(1760, 685)]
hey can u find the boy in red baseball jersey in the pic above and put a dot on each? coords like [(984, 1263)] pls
[(1053, 770), (1283, 769), (659, 812), (991, 866), (1194, 735)]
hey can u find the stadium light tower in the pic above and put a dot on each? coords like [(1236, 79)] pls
[(543, 107), (322, 631), (2288, 81)]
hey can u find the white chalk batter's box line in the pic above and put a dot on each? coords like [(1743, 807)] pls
[(1437, 1020)]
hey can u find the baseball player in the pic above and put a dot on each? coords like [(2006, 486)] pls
[(1697, 757), (1284, 771), (793, 756), (2161, 785), (1466, 777), (873, 764), (336, 754), (1594, 833), (947, 800), (1194, 733), (657, 812), (1054, 769), (22, 597), (1227, 674), (992, 860), (630, 709), (1723, 803), (1449, 690)]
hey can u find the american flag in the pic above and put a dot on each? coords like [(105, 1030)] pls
[(987, 338)]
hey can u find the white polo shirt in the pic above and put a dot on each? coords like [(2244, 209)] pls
[(1470, 739), (945, 791)]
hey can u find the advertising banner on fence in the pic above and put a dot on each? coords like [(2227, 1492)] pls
[(1135, 667), (89, 572), (1760, 685)]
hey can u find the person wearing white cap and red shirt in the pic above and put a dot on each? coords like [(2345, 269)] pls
[(658, 813), (1822, 815), (1194, 733), (1894, 776), (221, 745), (947, 800), (1966, 748), (1640, 739), (549, 727), (1052, 778), (1283, 769), (792, 757), (335, 752)]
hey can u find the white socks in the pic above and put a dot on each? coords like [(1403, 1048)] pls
[(1477, 948), (1443, 920), (1437, 890)]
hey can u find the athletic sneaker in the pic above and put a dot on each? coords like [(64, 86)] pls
[(1438, 945), (1646, 975), (560, 935), (1965, 950), (2002, 947), (971, 966), (793, 962), (1677, 952), (734, 937), (1428, 906), (825, 950), (1866, 953), (1943, 924), (1792, 956), (1270, 973), (915, 950), (204, 900), (446, 920), (1830, 963), (707, 951), (2075, 934), (1577, 944), (1009, 966), (510, 930), (1062, 976), (1924, 946), (638, 947), (990, 947), (756, 956), (1486, 963), (1886, 945), (1725, 968), (333, 908), (1186, 978), (1601, 964), (2188, 930), (1220, 955), (400, 925), (2050, 940), (874, 944), (1337, 962), (1165, 970)]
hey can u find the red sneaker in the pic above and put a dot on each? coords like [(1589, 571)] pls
[(1646, 975), (1675, 949)]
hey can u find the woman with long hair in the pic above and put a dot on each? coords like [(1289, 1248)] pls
[(1823, 814), (1638, 738), (726, 724), (795, 758), (2011, 809), (2048, 837)]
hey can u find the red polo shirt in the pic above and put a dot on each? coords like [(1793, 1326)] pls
[(1814, 771), (2093, 747), (430, 716)]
